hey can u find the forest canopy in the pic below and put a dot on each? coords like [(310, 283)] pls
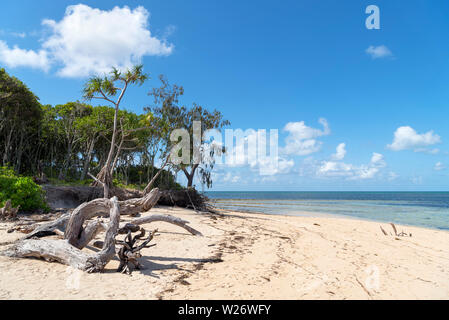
[(72, 140)]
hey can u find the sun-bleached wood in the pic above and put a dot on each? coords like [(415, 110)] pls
[(63, 252)]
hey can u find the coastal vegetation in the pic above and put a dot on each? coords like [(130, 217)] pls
[(76, 143), (22, 192), (62, 144)]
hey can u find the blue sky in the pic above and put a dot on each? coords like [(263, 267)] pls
[(265, 64)]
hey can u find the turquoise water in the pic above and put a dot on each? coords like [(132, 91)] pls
[(423, 209)]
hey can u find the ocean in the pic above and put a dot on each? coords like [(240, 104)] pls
[(422, 209)]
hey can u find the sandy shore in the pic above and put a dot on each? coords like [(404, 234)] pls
[(248, 256)]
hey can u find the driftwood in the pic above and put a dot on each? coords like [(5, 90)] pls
[(95, 207), (129, 253), (396, 233), (8, 213), (78, 232), (48, 229), (134, 225), (165, 218), (63, 252)]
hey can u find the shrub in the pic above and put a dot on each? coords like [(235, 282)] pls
[(22, 191)]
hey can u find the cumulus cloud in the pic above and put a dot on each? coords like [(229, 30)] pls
[(340, 152), (406, 138), (379, 52), (335, 169), (231, 178), (377, 160), (269, 167), (350, 171), (16, 57), (439, 166), (302, 140), (90, 41)]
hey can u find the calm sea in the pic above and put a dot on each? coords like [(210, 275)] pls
[(424, 209)]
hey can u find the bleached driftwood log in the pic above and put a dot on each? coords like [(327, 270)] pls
[(49, 228), (63, 252), (129, 253), (78, 235), (165, 218), (134, 225), (88, 210)]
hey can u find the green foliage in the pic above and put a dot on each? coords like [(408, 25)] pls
[(105, 88), (137, 177), (22, 191), (66, 142), (174, 116)]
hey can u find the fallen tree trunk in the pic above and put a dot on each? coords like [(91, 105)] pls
[(165, 218), (78, 235), (97, 207), (93, 228), (134, 225), (48, 229), (63, 252)]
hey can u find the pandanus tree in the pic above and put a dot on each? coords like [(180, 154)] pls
[(112, 88)]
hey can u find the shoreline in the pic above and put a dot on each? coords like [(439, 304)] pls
[(311, 214), (253, 256)]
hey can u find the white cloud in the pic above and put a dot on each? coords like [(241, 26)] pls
[(439, 166), (230, 178), (19, 34), (302, 139), (392, 176), (378, 160), (335, 169), (350, 171), (13, 33), (16, 57), (269, 167), (340, 152), (365, 173), (379, 52), (90, 41), (406, 138), (246, 152)]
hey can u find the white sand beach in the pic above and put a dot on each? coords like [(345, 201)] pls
[(252, 256)]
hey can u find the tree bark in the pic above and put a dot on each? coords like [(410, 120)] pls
[(190, 175), (153, 180), (76, 234), (88, 158), (63, 252), (165, 218)]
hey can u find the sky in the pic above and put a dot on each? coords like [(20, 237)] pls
[(355, 108)]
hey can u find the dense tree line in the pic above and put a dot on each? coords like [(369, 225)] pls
[(74, 139)]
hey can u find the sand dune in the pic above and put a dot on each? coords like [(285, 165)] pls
[(249, 256)]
